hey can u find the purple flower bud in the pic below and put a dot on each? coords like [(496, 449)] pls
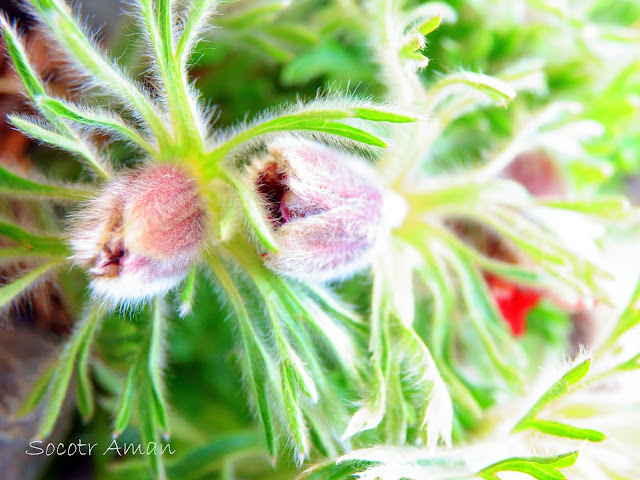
[(140, 236), (326, 208)]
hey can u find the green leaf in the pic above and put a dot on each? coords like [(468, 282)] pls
[(497, 90), (378, 115), (35, 244), (422, 385), (293, 374), (35, 89), (567, 431), (37, 392), (560, 387), (373, 408), (483, 312), (28, 76), (45, 135), (84, 388), (337, 337), (435, 279), (609, 207), (11, 290), (555, 391), (160, 411), (57, 140), (164, 21), (628, 320), (125, 403), (60, 382), (540, 468), (255, 356), (293, 414), (151, 365), (187, 296), (57, 16), (430, 25), (577, 373), (632, 364), (341, 130), (95, 119), (199, 12), (149, 431), (255, 215), (412, 49), (316, 119), (15, 185)]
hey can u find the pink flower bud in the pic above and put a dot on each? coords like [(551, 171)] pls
[(140, 236), (326, 208), (538, 173)]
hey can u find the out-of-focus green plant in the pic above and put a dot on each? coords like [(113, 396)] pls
[(421, 376)]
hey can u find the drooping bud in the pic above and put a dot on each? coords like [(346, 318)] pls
[(140, 236), (326, 208)]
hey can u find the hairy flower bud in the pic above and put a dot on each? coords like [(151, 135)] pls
[(326, 208), (139, 237)]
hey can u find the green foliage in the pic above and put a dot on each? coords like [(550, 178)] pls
[(74, 354), (29, 244), (16, 288), (17, 186), (541, 468), (558, 389)]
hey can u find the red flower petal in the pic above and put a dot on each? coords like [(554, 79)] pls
[(515, 302)]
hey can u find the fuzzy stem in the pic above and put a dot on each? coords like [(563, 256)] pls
[(159, 25)]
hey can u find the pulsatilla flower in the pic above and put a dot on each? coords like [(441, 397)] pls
[(326, 208), (139, 237), (513, 300), (542, 177)]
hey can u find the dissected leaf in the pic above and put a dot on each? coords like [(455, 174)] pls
[(62, 376), (254, 356), (540, 468), (125, 403)]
